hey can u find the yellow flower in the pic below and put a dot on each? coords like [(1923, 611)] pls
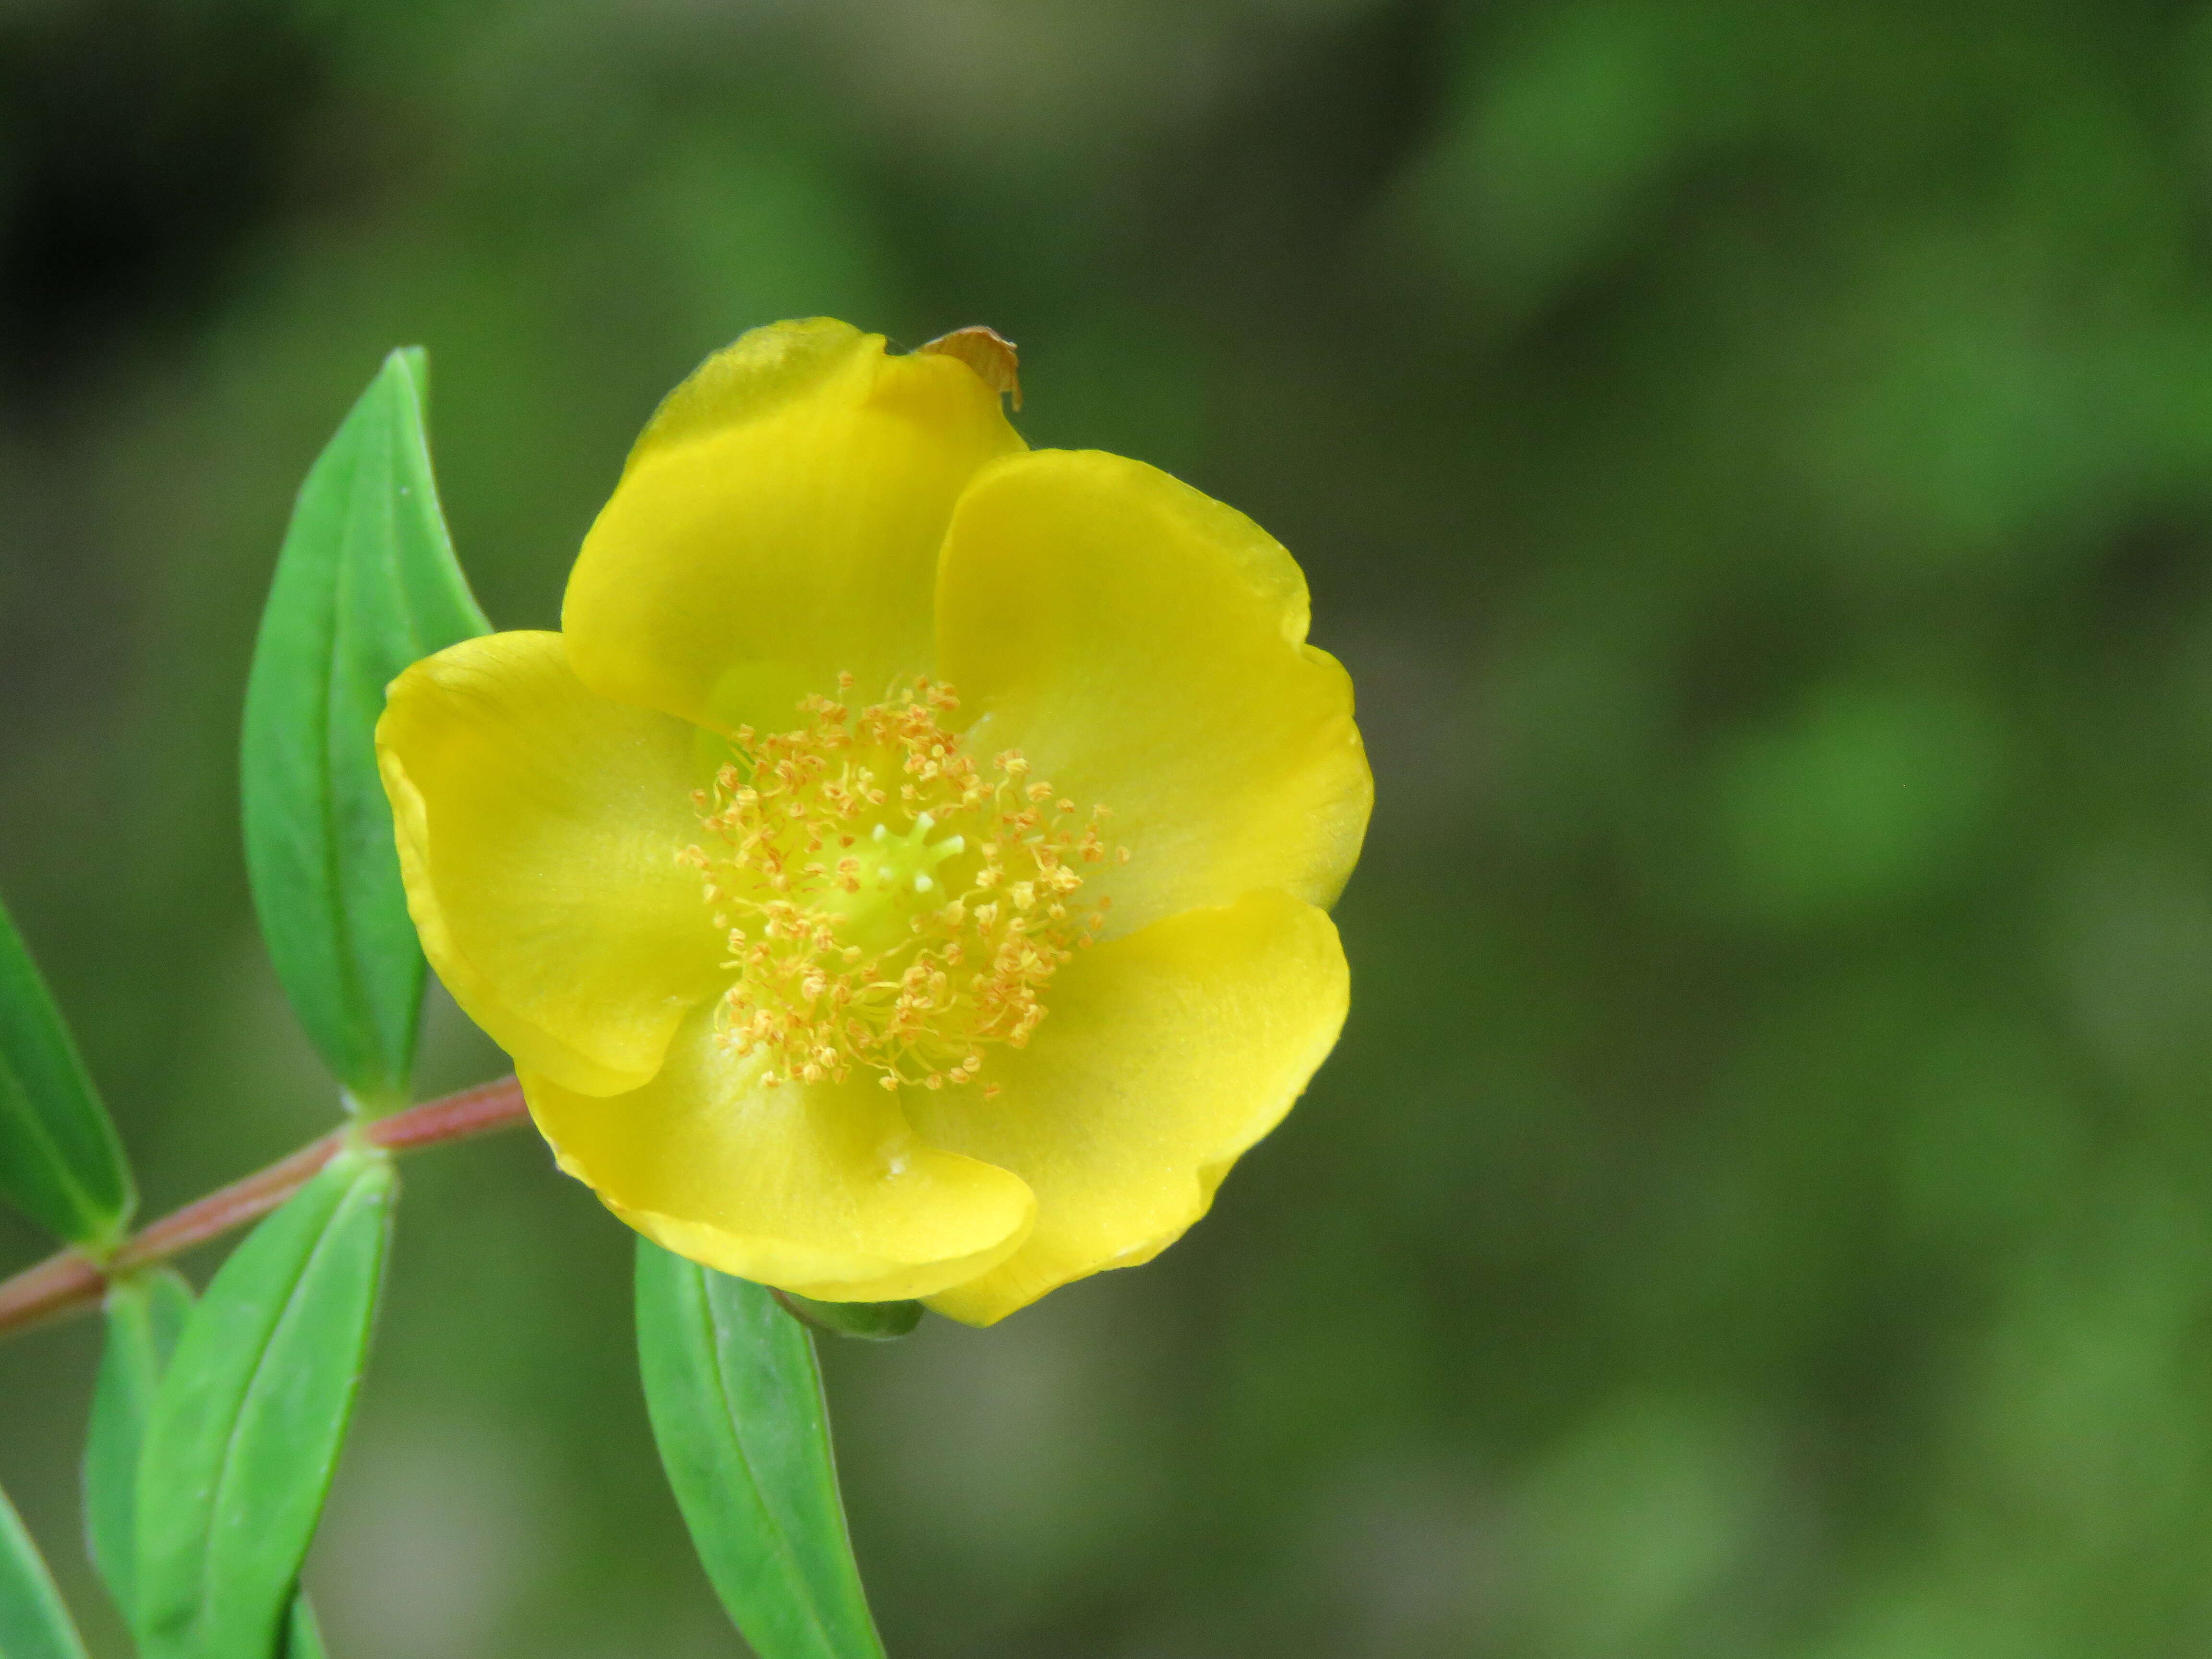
[(903, 874)]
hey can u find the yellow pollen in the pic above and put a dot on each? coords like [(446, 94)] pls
[(897, 957)]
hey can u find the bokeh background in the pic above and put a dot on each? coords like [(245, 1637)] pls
[(1755, 458)]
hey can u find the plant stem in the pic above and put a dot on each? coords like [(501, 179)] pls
[(73, 1280)]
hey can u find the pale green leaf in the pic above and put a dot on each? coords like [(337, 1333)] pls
[(33, 1623), (248, 1423), (366, 584), (735, 1402), (145, 1313), (60, 1163), (303, 1634)]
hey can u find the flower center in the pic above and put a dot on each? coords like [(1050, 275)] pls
[(890, 905)]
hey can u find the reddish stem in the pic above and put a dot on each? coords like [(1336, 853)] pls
[(72, 1280)]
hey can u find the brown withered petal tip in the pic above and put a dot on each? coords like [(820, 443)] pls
[(988, 352)]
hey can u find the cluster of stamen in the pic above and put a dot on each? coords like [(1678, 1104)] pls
[(889, 904)]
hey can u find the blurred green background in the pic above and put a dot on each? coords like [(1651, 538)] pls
[(1756, 460)]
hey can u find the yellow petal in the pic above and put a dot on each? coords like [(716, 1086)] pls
[(819, 1188), (779, 522), (538, 825), (1144, 647), (1166, 1055)]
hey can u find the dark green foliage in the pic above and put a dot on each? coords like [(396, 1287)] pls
[(251, 1415), (735, 1402), (60, 1163), (366, 584)]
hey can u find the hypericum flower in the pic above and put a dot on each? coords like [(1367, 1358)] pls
[(902, 875)]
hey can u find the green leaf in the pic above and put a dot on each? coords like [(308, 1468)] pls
[(303, 1636), (736, 1402), (145, 1314), (247, 1425), (33, 1623), (870, 1321), (366, 584), (144, 1318), (60, 1163)]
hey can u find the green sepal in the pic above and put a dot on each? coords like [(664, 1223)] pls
[(60, 1162), (868, 1322), (33, 1623), (366, 584), (247, 1424), (735, 1397)]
